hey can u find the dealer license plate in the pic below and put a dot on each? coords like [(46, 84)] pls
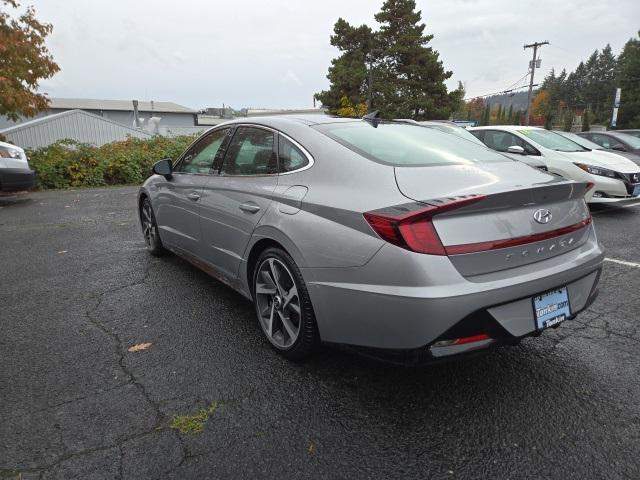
[(551, 308)]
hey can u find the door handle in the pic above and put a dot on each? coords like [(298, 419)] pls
[(193, 196), (249, 207)]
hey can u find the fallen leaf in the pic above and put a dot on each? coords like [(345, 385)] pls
[(311, 448), (139, 346), (62, 251)]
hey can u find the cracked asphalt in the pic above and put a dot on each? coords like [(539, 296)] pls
[(77, 289)]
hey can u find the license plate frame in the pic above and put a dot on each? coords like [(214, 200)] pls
[(636, 190), (551, 308)]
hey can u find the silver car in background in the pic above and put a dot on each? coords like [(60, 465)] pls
[(405, 241)]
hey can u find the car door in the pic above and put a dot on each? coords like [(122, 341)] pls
[(178, 198), (235, 199)]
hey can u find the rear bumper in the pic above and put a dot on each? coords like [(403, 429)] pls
[(425, 298), (16, 179)]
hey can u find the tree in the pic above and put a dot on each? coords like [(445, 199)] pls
[(393, 67), (510, 115), (475, 109), (586, 126), (628, 79), (499, 114), (348, 73), (347, 109), (24, 61), (568, 120), (486, 115)]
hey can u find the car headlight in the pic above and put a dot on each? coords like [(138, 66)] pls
[(593, 170), (8, 152)]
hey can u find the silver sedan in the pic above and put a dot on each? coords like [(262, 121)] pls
[(404, 241)]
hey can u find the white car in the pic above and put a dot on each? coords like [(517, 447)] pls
[(15, 174), (615, 178)]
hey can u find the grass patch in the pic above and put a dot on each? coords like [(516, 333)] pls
[(194, 423), (8, 473)]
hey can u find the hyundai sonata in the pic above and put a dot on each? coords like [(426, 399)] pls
[(405, 241)]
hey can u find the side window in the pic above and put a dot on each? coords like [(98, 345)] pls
[(479, 134), (250, 153), (601, 140), (289, 156), (501, 141), (199, 158)]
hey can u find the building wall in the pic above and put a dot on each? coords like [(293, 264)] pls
[(126, 118), (75, 125), (123, 117)]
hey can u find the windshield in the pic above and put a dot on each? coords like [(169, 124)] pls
[(459, 131), (628, 139), (401, 144), (586, 143), (552, 140)]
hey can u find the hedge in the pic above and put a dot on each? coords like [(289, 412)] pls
[(68, 163)]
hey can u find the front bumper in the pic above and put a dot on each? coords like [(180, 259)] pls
[(16, 179), (613, 190), (423, 298)]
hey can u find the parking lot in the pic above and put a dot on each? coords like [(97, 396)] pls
[(78, 289)]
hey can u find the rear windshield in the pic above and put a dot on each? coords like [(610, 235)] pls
[(581, 141), (628, 139), (406, 145)]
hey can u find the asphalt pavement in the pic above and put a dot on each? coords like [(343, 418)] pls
[(78, 289)]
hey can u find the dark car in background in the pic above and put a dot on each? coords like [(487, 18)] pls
[(633, 132), (622, 142)]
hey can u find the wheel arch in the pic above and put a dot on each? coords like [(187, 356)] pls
[(262, 239)]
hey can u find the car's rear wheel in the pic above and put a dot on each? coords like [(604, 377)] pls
[(283, 305), (150, 229)]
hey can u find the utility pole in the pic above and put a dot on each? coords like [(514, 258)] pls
[(533, 67)]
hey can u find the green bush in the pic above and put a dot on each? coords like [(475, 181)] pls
[(68, 163)]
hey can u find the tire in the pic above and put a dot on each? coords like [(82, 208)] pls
[(283, 307), (150, 229)]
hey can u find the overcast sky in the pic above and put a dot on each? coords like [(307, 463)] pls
[(275, 54)]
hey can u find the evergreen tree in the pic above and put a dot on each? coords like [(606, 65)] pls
[(510, 115), (406, 75), (486, 115), (348, 73), (414, 73), (568, 120), (499, 114), (585, 121), (628, 80)]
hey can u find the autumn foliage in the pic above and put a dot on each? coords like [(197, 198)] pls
[(24, 61)]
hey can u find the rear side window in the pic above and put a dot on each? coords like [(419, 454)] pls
[(290, 157), (250, 152), (402, 144)]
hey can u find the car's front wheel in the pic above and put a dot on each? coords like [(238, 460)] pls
[(150, 229), (283, 305)]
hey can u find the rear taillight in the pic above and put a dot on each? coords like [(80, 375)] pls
[(411, 227)]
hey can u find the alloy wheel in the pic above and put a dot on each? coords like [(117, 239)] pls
[(278, 303), (148, 225)]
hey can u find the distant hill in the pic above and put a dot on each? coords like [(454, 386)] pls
[(517, 99)]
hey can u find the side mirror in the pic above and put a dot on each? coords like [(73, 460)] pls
[(163, 167), (516, 149), (619, 147)]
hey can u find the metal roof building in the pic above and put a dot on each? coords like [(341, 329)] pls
[(76, 125)]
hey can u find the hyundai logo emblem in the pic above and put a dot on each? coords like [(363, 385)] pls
[(542, 215)]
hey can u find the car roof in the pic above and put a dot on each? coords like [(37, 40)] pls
[(508, 128), (276, 120)]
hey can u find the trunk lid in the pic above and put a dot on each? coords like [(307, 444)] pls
[(500, 231)]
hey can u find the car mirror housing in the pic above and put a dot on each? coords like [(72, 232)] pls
[(163, 167), (516, 149)]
